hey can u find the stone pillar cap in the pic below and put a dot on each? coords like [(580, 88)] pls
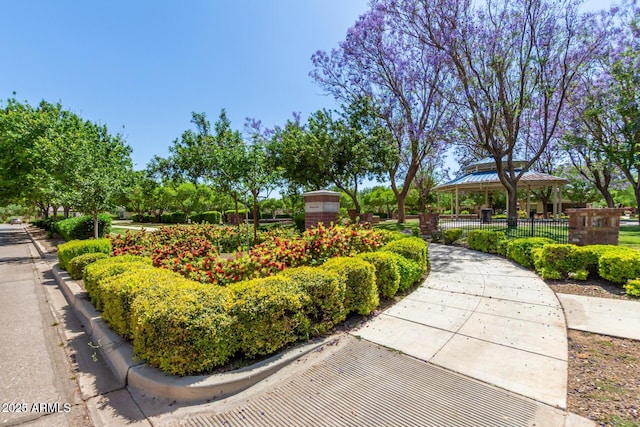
[(321, 193)]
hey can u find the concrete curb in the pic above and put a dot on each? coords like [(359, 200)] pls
[(119, 355)]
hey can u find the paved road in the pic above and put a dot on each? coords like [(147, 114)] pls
[(37, 386)]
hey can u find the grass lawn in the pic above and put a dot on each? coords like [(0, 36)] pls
[(630, 236), (138, 224), (393, 225), (120, 230)]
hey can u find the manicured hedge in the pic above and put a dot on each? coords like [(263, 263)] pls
[(619, 266), (558, 261), (361, 293), (81, 227), (44, 223), (212, 217), (184, 328), (592, 254), (69, 250), (269, 313), (118, 292), (632, 287), (409, 270), (77, 265), (173, 218), (413, 248), (387, 272), (451, 235), (324, 302), (519, 250), (485, 240), (104, 268)]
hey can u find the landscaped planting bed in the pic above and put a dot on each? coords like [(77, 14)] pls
[(194, 298)]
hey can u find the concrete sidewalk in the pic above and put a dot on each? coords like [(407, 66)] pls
[(484, 317), (606, 316)]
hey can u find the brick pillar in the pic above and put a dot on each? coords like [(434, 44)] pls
[(428, 223), (321, 206), (234, 219), (594, 226)]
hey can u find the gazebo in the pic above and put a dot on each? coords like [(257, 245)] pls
[(482, 176)]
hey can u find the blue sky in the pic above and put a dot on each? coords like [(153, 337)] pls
[(146, 65)]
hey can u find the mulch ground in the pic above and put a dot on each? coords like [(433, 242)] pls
[(604, 372)]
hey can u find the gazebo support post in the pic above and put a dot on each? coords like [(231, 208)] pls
[(555, 202), (559, 202), (457, 204), (452, 208)]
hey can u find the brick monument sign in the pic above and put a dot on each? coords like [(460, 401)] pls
[(321, 206), (594, 226)]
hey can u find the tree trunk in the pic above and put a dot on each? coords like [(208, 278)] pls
[(67, 210), (401, 210), (235, 202), (95, 225), (512, 203), (545, 201), (636, 191), (255, 217), (609, 198)]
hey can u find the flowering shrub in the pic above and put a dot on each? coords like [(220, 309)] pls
[(193, 250), (328, 242)]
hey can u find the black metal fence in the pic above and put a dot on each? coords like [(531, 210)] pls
[(557, 230)]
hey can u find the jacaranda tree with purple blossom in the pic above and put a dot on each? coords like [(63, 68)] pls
[(605, 126), (407, 83), (513, 62)]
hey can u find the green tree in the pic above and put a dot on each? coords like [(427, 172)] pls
[(258, 176), (327, 151), (228, 159), (191, 198), (102, 168), (579, 190), (271, 205), (192, 154), (138, 196), (380, 199)]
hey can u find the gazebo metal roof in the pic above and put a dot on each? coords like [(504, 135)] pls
[(488, 180)]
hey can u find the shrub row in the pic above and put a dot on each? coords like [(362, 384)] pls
[(451, 235), (100, 270), (77, 265), (555, 261), (485, 240), (69, 250), (185, 327), (47, 224), (81, 227), (211, 217)]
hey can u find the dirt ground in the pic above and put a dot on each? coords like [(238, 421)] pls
[(604, 372)]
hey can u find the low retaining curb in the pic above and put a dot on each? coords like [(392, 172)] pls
[(119, 355)]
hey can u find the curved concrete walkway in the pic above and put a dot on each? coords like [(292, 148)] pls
[(485, 317)]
